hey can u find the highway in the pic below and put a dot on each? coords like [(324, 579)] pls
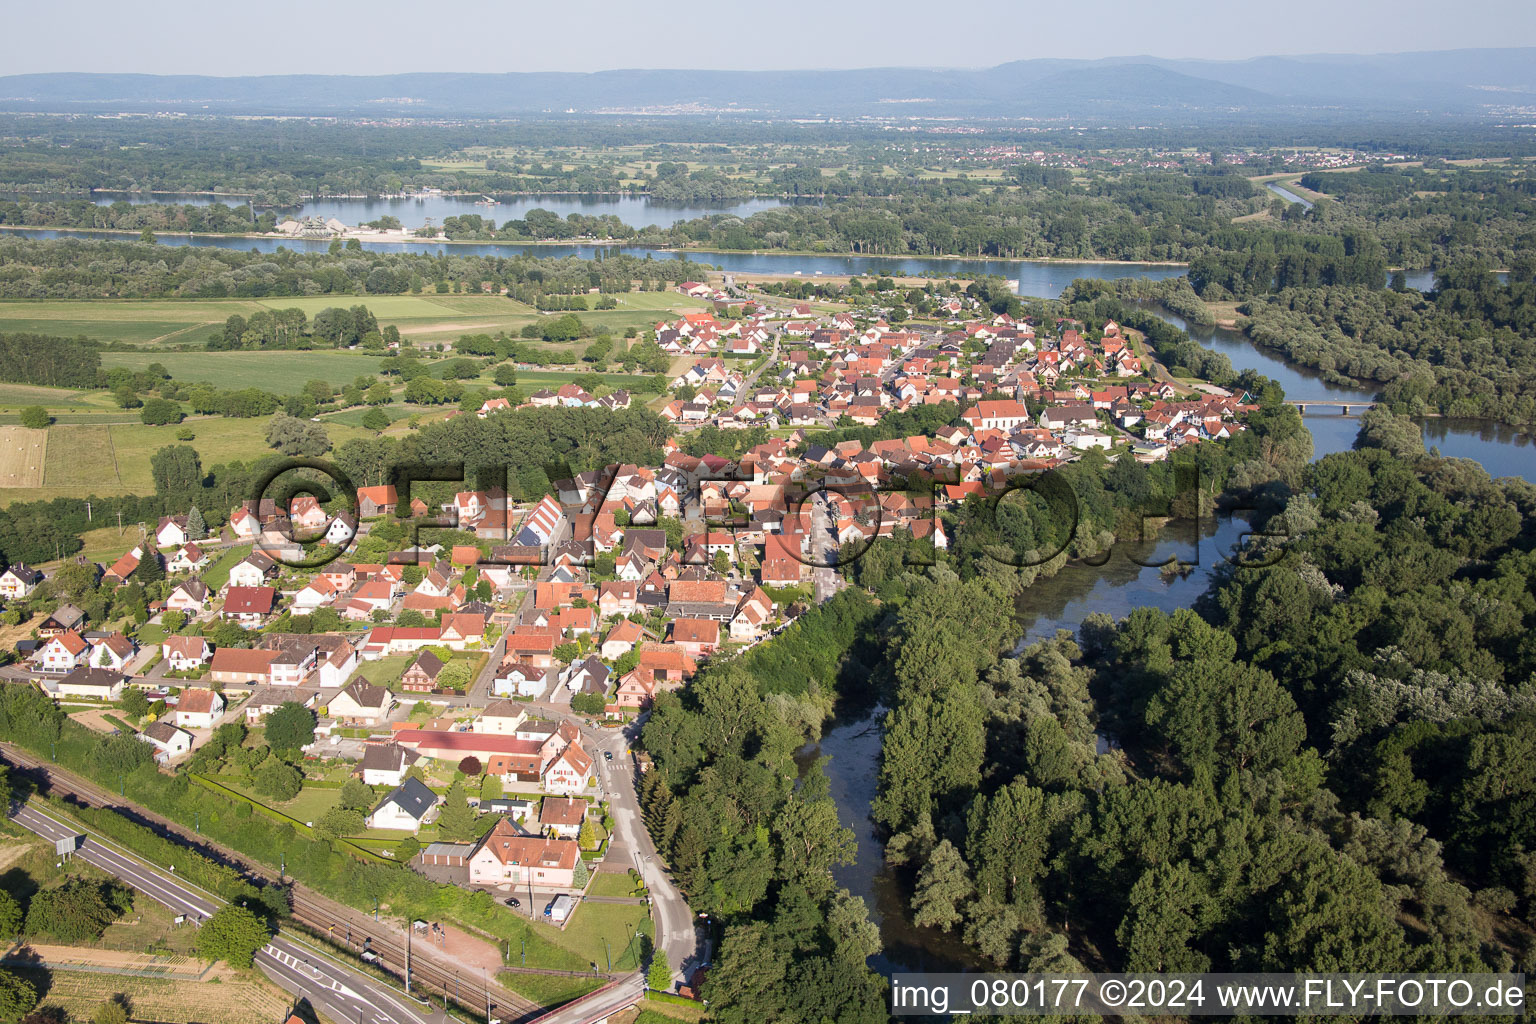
[(339, 992), (430, 971)]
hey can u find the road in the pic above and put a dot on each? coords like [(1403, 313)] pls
[(337, 991)]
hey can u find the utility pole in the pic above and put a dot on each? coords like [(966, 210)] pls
[(407, 957)]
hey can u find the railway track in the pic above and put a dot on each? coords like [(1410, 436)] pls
[(475, 992)]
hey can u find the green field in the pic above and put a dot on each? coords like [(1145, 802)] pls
[(14, 396), (103, 459), (277, 371), (134, 332)]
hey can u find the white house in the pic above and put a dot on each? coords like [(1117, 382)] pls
[(19, 580), (569, 772), (63, 653), (185, 653), (409, 806), (385, 764), (113, 653), (198, 708), (167, 740)]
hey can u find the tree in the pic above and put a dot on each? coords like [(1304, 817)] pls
[(77, 911), (456, 820), (111, 1012), (17, 996), (134, 703), (658, 976), (290, 727), (943, 886), (10, 916), (375, 419), (160, 411), (470, 766), (277, 779), (35, 417), (581, 874), (356, 795), (341, 821), (455, 675), (588, 703), (197, 527), (506, 375), (233, 934), (293, 436), (586, 836), (177, 471)]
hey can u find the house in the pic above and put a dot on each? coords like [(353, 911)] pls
[(305, 513), (669, 662), (621, 638), (198, 708), (98, 683), (562, 816), (65, 617), (19, 580), (252, 571), (463, 629), (249, 606), (190, 597), (185, 653), (172, 532), (408, 806), (500, 718), (385, 764), (696, 636), (376, 501), (112, 652), (569, 772), (587, 676), (318, 593), (63, 653), (636, 689), (421, 675), (244, 523), (240, 666), (341, 529), (168, 741), (505, 855), (268, 699), (121, 569), (362, 703), (188, 558), (521, 678)]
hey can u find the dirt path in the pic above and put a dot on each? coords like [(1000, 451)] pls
[(450, 326)]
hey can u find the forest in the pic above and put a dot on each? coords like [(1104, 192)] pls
[(1318, 769), (1466, 349)]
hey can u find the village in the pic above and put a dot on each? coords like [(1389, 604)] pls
[(499, 672)]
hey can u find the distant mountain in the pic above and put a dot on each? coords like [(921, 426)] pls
[(1448, 81)]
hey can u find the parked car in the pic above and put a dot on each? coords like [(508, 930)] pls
[(513, 901)]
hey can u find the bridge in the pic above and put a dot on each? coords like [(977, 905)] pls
[(1352, 407)]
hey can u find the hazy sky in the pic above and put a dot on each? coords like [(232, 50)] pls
[(384, 36)]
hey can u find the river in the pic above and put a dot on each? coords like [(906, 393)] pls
[(414, 212)]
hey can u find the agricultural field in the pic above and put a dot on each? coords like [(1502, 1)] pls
[(280, 372), (247, 998), (14, 396), (23, 454), (81, 459)]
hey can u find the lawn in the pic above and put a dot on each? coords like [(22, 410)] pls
[(217, 574), (608, 883), (386, 671), (548, 990), (592, 923), (279, 371)]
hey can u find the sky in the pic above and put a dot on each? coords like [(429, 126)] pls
[(388, 36)]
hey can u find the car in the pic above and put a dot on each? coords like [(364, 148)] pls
[(513, 901), (607, 755)]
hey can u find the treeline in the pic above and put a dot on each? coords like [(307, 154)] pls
[(86, 268), (1268, 261), (1468, 349), (752, 838), (180, 218), (1293, 781), (49, 361)]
